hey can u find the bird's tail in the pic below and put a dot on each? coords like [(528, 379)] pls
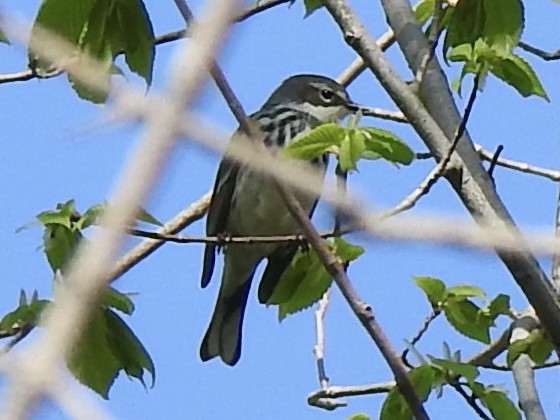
[(223, 337)]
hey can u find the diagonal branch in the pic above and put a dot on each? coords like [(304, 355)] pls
[(434, 116), (30, 74)]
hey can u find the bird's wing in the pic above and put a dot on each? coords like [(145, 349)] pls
[(218, 212)]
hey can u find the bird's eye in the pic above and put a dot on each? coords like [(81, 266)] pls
[(327, 95)]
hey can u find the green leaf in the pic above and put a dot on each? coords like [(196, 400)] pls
[(311, 6), (452, 368), (25, 314), (517, 72), (346, 251), (465, 24), (90, 216), (120, 301), (106, 347), (423, 10), (503, 24), (387, 145), (433, 288), (497, 402), (137, 36), (317, 142), (395, 406), (146, 217), (358, 416), (465, 317), (351, 150), (499, 306), (60, 243), (465, 290), (66, 18), (92, 361), (63, 215), (306, 279), (127, 348), (101, 29), (536, 346)]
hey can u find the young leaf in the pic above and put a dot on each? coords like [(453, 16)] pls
[(317, 142), (107, 346), (26, 314), (347, 251), (92, 361), (128, 350), (306, 279), (312, 6), (503, 24), (395, 406), (465, 24), (465, 290), (465, 317), (120, 301), (358, 416), (351, 150), (536, 345), (59, 243), (517, 72), (387, 145), (137, 36), (423, 10), (498, 306), (497, 402), (469, 372), (146, 217), (312, 283), (434, 288)]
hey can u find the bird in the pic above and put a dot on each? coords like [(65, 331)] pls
[(244, 203)]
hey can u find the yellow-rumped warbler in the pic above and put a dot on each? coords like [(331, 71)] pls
[(245, 203)]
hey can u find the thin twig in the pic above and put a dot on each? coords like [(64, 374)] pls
[(323, 398), (418, 336), (30, 74), (319, 348), (74, 302), (195, 211), (470, 400), (507, 163), (494, 160), (362, 310), (547, 56)]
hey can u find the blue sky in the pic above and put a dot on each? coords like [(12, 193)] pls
[(55, 148)]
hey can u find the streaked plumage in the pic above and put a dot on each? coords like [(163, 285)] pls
[(247, 204)]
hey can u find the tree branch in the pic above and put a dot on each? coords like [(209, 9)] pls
[(29, 74), (522, 369), (547, 56), (435, 118)]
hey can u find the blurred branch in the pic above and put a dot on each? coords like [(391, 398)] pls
[(434, 115), (29, 74), (195, 211), (65, 318), (547, 56)]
